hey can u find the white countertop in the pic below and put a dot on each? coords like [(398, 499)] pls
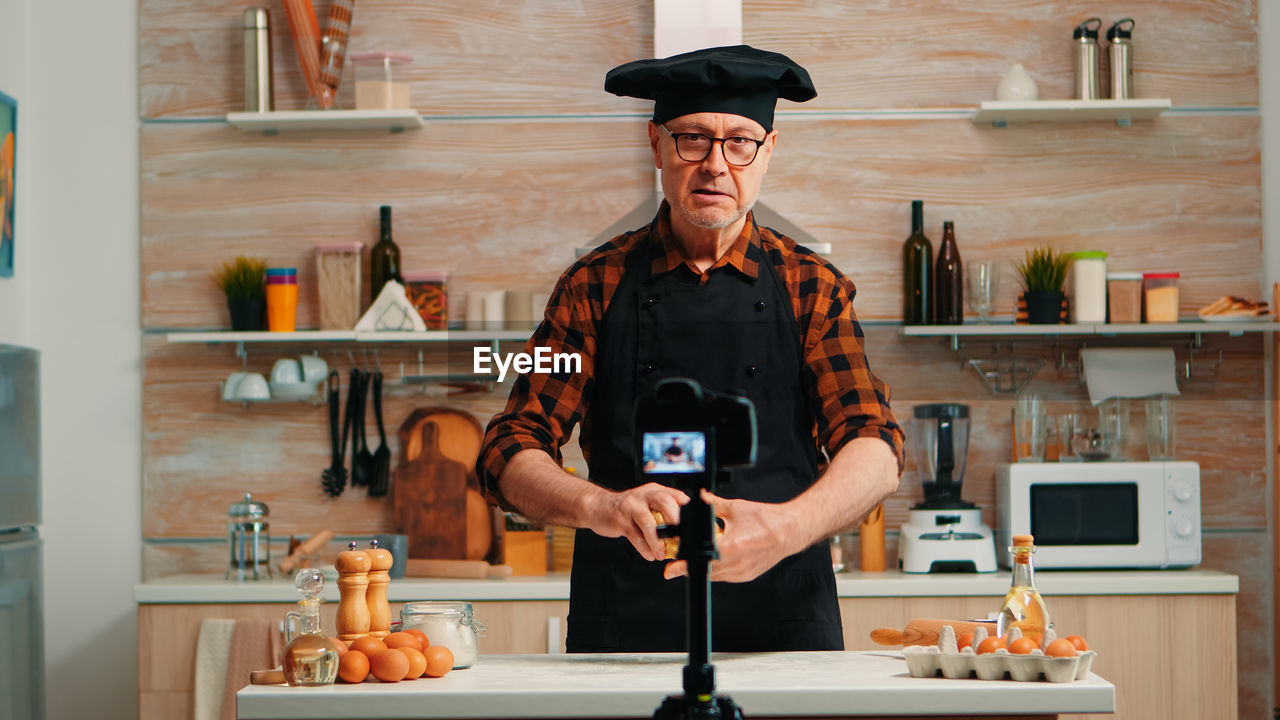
[(199, 589), (632, 685)]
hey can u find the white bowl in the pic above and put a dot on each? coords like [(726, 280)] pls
[(230, 384), (253, 386), (286, 370), (314, 368)]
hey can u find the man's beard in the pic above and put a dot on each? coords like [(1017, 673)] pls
[(707, 222)]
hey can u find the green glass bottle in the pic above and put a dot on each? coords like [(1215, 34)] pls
[(917, 272), (384, 258)]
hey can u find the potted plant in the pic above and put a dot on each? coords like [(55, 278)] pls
[(241, 280), (1043, 273)]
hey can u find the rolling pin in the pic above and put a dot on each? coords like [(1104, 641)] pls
[(476, 569), (310, 547), (926, 631)]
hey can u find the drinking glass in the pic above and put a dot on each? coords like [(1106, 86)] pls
[(983, 285), (1113, 421), (1030, 427), (1161, 427), (1069, 426)]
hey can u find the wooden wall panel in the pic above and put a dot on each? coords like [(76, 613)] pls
[(469, 58), (1175, 194), (931, 54), (499, 205)]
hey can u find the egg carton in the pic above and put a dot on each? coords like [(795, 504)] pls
[(929, 661)]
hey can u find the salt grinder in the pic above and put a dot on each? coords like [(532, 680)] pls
[(380, 561), (1085, 54), (353, 583), (250, 541)]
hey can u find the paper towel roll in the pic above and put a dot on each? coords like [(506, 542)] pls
[(494, 309), (1129, 372), (475, 310)]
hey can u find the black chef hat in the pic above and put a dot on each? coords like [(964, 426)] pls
[(739, 80)]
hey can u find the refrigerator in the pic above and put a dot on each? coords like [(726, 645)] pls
[(21, 578)]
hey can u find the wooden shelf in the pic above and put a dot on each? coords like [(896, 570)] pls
[(273, 122), (315, 336), (1122, 112)]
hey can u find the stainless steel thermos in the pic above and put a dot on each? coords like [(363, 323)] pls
[(1120, 59), (1086, 59), (258, 95)]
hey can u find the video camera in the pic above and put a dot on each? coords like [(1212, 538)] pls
[(688, 436)]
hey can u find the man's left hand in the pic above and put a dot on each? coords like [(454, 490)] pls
[(756, 537)]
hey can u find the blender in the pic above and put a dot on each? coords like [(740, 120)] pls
[(943, 532)]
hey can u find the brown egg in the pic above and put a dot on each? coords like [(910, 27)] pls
[(369, 645), (417, 662), (403, 639), (421, 636), (389, 666), (338, 645), (439, 660), (353, 667)]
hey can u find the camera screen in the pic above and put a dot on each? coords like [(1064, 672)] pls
[(674, 452)]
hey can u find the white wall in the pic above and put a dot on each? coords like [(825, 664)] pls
[(13, 82), (82, 272)]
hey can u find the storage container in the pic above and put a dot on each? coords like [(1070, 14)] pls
[(428, 291), (450, 624), (1160, 297), (338, 284), (1124, 297), (381, 81), (1088, 286)]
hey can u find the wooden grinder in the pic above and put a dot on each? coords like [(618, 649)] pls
[(353, 583), (380, 561)]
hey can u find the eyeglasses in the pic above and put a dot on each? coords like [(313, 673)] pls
[(695, 147)]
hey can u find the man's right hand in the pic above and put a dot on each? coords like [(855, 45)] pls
[(629, 514)]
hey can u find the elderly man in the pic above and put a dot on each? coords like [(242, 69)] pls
[(702, 292)]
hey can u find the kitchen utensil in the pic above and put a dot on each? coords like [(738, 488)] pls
[(310, 546), (249, 540), (459, 435), (305, 29), (267, 677), (363, 458), (382, 456), (334, 49), (416, 567), (430, 501), (925, 631), (355, 414), (982, 282), (335, 476), (943, 532)]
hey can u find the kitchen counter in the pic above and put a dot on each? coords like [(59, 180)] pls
[(837, 684), (214, 589)]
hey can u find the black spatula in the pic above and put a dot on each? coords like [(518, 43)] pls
[(378, 486), (334, 477)]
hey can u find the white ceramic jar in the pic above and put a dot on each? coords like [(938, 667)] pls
[(1089, 286)]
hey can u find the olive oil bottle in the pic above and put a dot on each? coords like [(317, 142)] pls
[(1023, 607), (384, 257)]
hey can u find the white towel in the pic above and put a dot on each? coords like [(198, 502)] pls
[(213, 650), (1128, 372)]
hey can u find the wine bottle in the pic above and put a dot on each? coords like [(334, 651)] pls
[(384, 258), (948, 280), (917, 272)]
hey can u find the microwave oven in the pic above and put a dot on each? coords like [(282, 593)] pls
[(1101, 514)]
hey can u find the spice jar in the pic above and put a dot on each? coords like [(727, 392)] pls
[(1088, 286), (1124, 297), (427, 292), (338, 284), (1160, 297), (450, 624)]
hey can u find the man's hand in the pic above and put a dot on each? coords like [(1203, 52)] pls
[(756, 537), (629, 514)]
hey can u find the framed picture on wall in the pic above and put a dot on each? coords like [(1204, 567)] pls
[(8, 161)]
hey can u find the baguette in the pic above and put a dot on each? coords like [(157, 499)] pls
[(1233, 306)]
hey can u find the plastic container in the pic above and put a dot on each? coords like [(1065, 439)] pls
[(1160, 297), (1088, 286), (428, 291), (1124, 297), (381, 81), (338, 284), (450, 624), (282, 299)]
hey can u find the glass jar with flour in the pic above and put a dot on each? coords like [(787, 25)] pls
[(450, 624)]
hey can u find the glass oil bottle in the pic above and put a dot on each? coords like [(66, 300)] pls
[(1023, 607), (309, 657)]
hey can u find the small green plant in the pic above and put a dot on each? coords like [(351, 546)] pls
[(1044, 270), (242, 278)]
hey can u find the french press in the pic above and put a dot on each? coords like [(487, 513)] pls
[(249, 540)]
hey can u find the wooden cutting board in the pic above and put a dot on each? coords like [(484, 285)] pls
[(450, 447), (925, 631)]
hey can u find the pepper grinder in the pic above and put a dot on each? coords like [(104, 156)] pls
[(380, 561), (353, 583), (1086, 59)]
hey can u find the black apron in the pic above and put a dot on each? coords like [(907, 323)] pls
[(731, 334)]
